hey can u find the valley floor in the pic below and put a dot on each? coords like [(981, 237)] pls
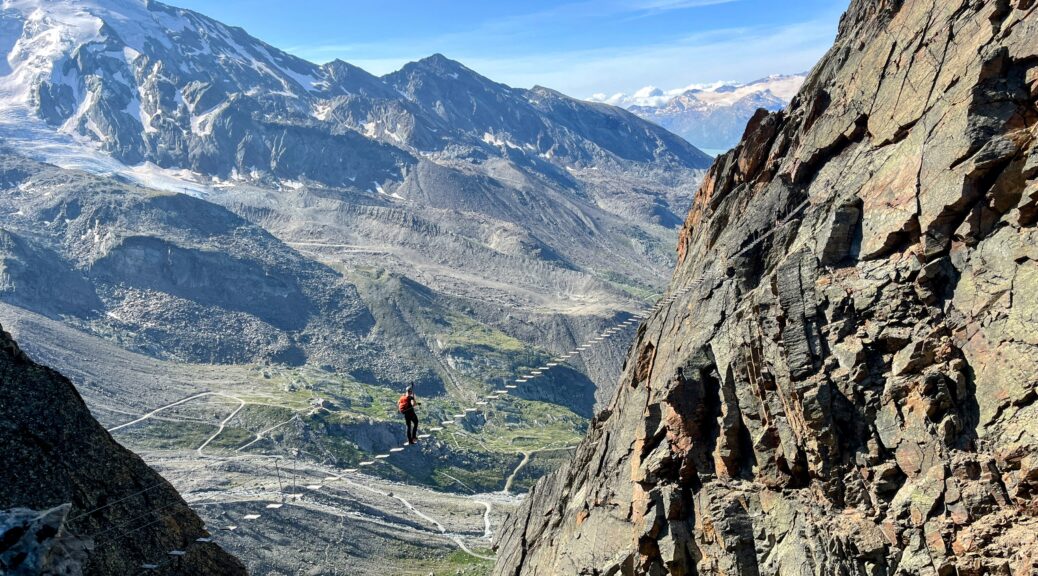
[(297, 518), (296, 472)]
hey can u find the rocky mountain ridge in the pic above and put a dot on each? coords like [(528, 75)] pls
[(146, 82), (845, 380), (433, 173)]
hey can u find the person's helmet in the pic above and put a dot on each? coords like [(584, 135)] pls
[(410, 388)]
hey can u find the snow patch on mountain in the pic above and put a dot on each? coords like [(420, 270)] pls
[(721, 93), (35, 41), (710, 116), (153, 92), (652, 96), (31, 137)]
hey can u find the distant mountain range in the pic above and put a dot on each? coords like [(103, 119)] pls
[(145, 82), (177, 193), (710, 116), (558, 195)]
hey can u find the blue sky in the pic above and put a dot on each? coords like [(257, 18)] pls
[(580, 47)]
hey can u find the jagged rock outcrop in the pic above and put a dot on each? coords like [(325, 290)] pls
[(849, 384), (72, 500)]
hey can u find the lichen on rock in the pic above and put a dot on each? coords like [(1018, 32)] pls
[(850, 385)]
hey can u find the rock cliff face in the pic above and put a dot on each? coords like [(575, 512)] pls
[(845, 379), (99, 509)]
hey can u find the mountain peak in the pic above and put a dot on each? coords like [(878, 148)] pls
[(439, 63), (340, 69), (438, 58)]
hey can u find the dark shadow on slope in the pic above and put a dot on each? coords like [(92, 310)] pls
[(207, 277)]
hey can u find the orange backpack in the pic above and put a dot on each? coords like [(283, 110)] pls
[(404, 403)]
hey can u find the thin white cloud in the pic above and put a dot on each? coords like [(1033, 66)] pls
[(501, 31), (657, 6), (741, 54)]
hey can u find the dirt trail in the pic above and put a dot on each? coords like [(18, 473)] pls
[(457, 540), (526, 459), (223, 424)]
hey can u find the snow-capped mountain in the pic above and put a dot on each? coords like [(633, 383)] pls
[(710, 116), (499, 205), (145, 82)]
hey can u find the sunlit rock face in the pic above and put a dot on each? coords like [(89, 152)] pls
[(849, 384)]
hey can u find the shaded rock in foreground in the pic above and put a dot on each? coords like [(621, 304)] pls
[(851, 384), (35, 542), (122, 513)]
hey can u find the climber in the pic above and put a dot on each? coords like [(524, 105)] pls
[(406, 406)]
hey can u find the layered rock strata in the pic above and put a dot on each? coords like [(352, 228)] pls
[(850, 384)]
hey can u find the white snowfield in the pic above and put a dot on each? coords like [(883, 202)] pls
[(713, 116), (716, 94), (21, 130), (40, 38)]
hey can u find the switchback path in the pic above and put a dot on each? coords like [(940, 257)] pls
[(161, 408), (449, 425), (223, 424)]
